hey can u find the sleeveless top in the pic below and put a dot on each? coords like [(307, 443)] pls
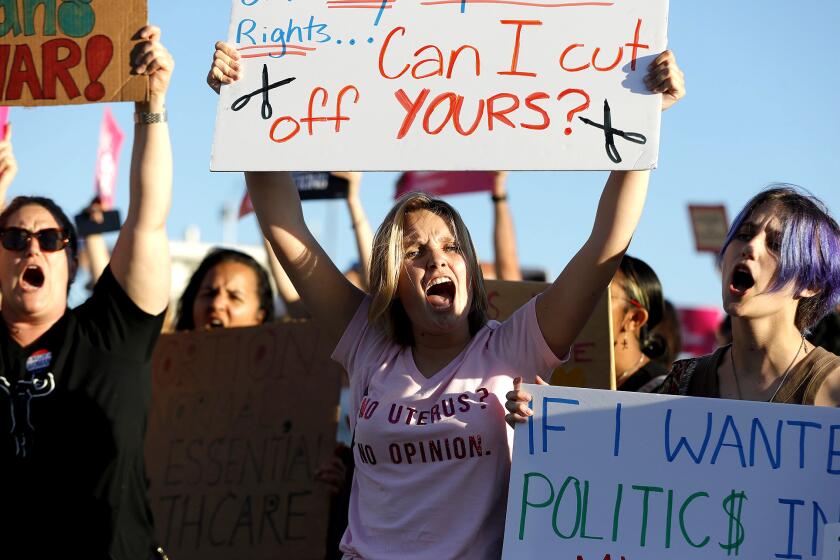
[(697, 377)]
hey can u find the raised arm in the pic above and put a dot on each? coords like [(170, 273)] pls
[(504, 236), (140, 261), (328, 296), (566, 305), (291, 299), (95, 246), (361, 226)]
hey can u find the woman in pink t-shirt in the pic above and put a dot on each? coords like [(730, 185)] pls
[(428, 371)]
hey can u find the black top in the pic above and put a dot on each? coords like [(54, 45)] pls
[(827, 333), (644, 375), (73, 410)]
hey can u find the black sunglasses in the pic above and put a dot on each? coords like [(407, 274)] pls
[(18, 239)]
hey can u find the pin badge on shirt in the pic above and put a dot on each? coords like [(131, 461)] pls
[(39, 361)]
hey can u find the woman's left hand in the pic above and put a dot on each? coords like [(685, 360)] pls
[(517, 403), (664, 76)]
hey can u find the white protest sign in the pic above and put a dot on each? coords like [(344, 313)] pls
[(441, 84), (611, 475)]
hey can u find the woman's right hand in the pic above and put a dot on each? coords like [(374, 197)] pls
[(517, 403), (332, 473), (226, 67)]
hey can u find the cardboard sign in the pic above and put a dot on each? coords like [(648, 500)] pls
[(612, 475), (710, 226), (591, 361), (445, 183), (441, 85), (831, 541), (240, 420), (59, 53)]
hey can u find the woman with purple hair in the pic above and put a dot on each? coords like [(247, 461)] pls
[(781, 274)]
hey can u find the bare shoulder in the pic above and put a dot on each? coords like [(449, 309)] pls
[(828, 393)]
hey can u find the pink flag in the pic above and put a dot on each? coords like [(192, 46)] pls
[(699, 329), (4, 120), (440, 183), (107, 160), (245, 207)]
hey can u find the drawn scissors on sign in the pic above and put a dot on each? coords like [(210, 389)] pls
[(610, 133), (266, 109)]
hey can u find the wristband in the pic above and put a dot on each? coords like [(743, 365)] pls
[(143, 117)]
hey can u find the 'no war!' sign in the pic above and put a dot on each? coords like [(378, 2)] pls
[(441, 85), (608, 475), (58, 52)]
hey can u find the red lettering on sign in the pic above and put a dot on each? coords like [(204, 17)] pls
[(411, 108), (579, 352), (384, 48), (529, 102), (635, 45), (569, 49), (515, 57), (58, 69), (23, 72), (494, 114)]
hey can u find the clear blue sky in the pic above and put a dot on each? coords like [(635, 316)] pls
[(762, 106)]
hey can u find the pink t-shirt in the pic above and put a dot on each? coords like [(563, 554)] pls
[(433, 455)]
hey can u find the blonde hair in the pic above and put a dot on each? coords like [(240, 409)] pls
[(387, 257)]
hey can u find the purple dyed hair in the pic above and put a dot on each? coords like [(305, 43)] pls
[(809, 251)]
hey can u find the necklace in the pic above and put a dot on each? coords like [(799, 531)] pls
[(625, 375), (784, 376)]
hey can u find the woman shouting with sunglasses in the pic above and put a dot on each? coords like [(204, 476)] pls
[(75, 384)]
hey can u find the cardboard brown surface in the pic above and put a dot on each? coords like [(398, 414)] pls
[(591, 360), (58, 52), (710, 224), (240, 420)]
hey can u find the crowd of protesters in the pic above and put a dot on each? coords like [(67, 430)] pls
[(408, 324)]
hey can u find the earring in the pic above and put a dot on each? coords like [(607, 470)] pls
[(624, 343)]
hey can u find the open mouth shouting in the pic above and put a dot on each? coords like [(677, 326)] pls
[(214, 322), (32, 278), (742, 280), (440, 292)]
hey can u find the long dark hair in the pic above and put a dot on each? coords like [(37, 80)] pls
[(184, 320), (61, 219), (642, 285)]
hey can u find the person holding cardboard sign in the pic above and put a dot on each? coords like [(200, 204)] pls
[(428, 371), (75, 384)]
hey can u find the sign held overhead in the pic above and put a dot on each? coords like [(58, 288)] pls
[(441, 84), (69, 52)]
